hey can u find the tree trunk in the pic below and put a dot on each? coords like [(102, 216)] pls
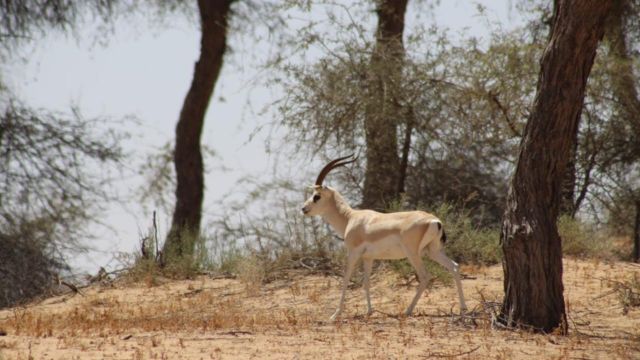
[(567, 197), (185, 226), (532, 261), (636, 235), (406, 147), (567, 202), (381, 123)]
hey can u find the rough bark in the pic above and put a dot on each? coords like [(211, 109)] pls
[(185, 226), (568, 203), (529, 238), (636, 235), (381, 123)]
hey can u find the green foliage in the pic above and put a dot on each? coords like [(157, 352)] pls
[(404, 269), (580, 239), (466, 242)]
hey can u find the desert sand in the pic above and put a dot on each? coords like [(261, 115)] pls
[(208, 318)]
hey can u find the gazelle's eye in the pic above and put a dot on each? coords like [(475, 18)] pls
[(316, 198)]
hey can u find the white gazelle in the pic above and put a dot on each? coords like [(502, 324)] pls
[(371, 235)]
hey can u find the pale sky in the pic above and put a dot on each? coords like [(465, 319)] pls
[(146, 74)]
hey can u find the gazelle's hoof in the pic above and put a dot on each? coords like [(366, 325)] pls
[(334, 316)]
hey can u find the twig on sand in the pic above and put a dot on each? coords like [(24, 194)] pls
[(445, 355), (237, 332), (71, 286), (613, 291)]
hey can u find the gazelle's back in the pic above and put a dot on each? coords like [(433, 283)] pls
[(387, 236)]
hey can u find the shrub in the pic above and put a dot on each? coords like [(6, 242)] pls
[(150, 262), (27, 265), (583, 240), (404, 269), (467, 243), (252, 272)]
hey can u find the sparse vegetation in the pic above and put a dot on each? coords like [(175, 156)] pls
[(442, 113), (179, 319), (629, 292), (48, 194)]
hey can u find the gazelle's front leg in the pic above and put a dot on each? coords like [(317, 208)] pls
[(352, 259), (367, 266)]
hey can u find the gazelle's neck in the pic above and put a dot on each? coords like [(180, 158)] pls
[(339, 215)]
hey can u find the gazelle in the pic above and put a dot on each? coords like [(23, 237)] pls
[(371, 235)]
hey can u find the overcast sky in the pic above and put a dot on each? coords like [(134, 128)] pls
[(146, 74)]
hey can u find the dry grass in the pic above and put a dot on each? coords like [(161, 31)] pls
[(225, 318)]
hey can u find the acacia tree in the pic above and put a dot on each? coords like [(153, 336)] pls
[(383, 171), (450, 152), (628, 102), (50, 185), (529, 237), (185, 225)]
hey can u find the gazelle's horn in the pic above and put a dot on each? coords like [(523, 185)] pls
[(332, 165)]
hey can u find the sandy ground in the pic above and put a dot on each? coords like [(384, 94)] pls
[(288, 319)]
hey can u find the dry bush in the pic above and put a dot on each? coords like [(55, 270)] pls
[(252, 273), (628, 292), (150, 264), (276, 238), (54, 175), (28, 268)]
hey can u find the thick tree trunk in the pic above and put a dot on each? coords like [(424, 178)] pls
[(381, 122), (532, 247), (185, 226)]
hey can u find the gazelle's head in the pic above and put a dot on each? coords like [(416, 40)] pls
[(322, 197)]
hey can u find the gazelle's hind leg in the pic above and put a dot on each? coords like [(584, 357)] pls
[(453, 267), (423, 277), (367, 266)]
